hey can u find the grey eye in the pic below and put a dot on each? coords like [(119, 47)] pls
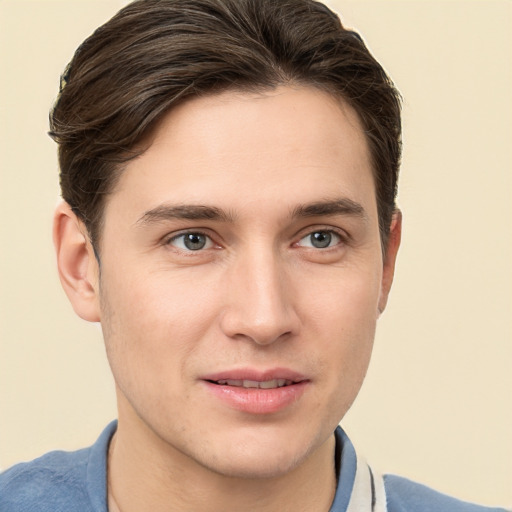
[(194, 241), (191, 241), (320, 239)]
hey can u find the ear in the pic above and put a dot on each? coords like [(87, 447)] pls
[(77, 264), (395, 235)]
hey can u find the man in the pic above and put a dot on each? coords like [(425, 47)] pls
[(228, 170)]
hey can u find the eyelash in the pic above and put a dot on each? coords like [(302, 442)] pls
[(209, 243), (182, 235), (331, 233)]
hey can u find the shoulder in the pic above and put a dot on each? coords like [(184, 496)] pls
[(403, 495), (56, 481), (59, 481)]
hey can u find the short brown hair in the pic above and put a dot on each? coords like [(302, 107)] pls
[(155, 53)]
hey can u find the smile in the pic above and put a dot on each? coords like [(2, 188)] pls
[(268, 384), (257, 392)]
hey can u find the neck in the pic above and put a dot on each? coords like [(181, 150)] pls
[(156, 479)]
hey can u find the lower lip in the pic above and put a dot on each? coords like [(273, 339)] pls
[(256, 400)]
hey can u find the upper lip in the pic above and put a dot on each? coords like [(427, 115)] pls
[(256, 375)]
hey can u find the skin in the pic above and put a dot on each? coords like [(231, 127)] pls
[(259, 295)]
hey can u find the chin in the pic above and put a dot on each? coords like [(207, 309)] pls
[(260, 455), (258, 466)]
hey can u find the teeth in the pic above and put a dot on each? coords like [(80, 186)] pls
[(268, 384)]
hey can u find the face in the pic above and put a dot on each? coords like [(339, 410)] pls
[(241, 279)]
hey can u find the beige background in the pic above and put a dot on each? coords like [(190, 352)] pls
[(436, 406)]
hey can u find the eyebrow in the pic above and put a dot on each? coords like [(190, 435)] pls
[(168, 212), (190, 212), (342, 206)]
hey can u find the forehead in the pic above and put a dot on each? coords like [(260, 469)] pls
[(291, 145)]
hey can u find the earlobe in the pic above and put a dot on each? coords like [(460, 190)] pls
[(77, 266), (395, 234)]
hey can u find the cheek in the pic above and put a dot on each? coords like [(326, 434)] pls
[(346, 301), (152, 326), (156, 303), (346, 313)]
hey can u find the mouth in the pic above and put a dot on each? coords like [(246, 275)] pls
[(250, 384), (256, 392)]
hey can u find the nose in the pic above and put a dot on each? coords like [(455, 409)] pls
[(260, 300)]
